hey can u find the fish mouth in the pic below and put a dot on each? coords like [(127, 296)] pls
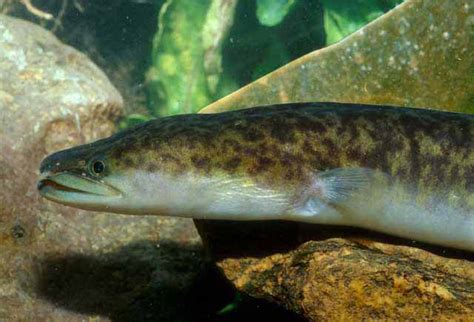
[(73, 189)]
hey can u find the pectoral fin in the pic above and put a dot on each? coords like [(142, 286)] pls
[(338, 185), (329, 196)]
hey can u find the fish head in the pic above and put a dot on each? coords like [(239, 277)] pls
[(79, 176), (141, 170)]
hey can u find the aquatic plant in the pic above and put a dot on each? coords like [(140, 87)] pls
[(205, 50)]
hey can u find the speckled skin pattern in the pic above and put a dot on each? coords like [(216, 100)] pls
[(283, 145)]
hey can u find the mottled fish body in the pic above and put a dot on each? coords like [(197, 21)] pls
[(406, 172)]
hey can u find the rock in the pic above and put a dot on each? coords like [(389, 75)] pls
[(60, 263), (336, 273), (412, 56), (341, 280)]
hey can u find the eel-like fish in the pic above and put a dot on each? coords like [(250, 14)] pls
[(403, 171)]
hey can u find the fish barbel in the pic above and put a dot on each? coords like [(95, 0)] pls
[(402, 171)]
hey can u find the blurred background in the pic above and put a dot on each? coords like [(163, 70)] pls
[(171, 57)]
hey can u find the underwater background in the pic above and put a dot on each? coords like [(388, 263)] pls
[(173, 57)]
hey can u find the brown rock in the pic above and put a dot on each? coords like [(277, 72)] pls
[(340, 280), (336, 273)]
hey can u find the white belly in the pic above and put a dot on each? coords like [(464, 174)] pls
[(395, 210)]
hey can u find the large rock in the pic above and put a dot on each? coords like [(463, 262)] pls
[(336, 273), (419, 54), (59, 263), (341, 280)]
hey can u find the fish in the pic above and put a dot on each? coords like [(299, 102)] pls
[(406, 172)]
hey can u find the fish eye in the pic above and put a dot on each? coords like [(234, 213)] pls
[(97, 167)]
